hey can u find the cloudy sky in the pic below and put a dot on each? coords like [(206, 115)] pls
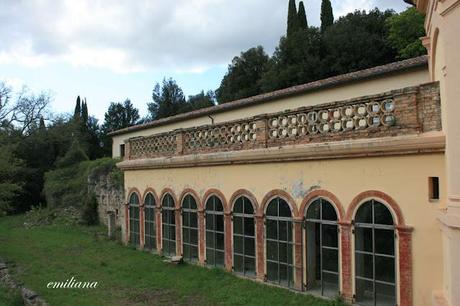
[(110, 50)]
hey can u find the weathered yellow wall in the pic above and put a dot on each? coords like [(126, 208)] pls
[(405, 178), (389, 82)]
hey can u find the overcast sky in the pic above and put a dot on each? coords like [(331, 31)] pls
[(110, 50)]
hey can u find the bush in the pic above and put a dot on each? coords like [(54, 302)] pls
[(90, 214)]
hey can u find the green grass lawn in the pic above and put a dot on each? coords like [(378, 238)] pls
[(125, 276)]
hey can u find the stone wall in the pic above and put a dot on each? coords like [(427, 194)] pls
[(110, 197)]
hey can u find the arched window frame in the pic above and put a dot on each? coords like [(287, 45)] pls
[(290, 242), (321, 222), (213, 233), (373, 227), (134, 218), (150, 220), (188, 230), (246, 218), (168, 229)]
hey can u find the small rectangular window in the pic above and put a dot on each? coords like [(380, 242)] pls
[(433, 187), (122, 150)]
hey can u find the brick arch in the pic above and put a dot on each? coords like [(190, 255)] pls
[(247, 194), (191, 192), (171, 192), (152, 192), (378, 195), (282, 194), (217, 193), (136, 191), (321, 193)]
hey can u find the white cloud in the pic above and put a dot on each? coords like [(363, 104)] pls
[(130, 36)]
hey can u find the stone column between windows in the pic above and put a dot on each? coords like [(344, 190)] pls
[(228, 241), (158, 229), (126, 223), (298, 273), (260, 252), (346, 289), (201, 235), (177, 215), (405, 265), (141, 226)]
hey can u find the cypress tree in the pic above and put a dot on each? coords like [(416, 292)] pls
[(302, 16), (327, 17), (84, 112), (77, 112), (293, 20)]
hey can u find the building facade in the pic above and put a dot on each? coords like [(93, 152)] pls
[(346, 186)]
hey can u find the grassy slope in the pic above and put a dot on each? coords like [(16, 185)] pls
[(126, 276)]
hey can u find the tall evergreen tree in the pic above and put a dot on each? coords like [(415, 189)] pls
[(327, 16), (303, 23), (84, 112), (77, 112), (293, 20)]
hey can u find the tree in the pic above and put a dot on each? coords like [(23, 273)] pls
[(10, 166), (201, 100), (303, 23), (293, 19), (25, 112), (357, 41), (168, 100), (243, 76), (404, 32), (119, 116), (84, 112), (327, 17), (77, 111), (296, 61)]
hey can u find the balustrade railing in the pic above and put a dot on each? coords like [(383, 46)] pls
[(377, 116)]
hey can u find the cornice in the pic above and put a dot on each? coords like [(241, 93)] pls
[(432, 142)]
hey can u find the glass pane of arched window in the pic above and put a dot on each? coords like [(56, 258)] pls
[(149, 222), (279, 243), (168, 226), (134, 225), (244, 257), (364, 213), (322, 248), (382, 214), (190, 229), (375, 264), (215, 250)]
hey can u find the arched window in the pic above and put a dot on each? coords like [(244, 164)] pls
[(215, 238), (168, 225), (244, 253), (322, 248), (279, 243), (134, 219), (149, 222), (190, 229), (375, 266)]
